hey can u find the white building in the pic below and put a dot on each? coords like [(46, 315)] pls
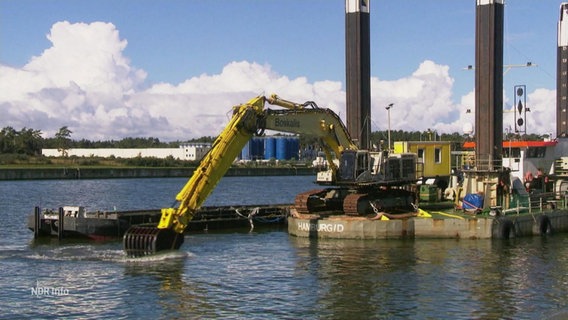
[(195, 150), (186, 151)]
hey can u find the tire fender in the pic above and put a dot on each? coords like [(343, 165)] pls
[(504, 229), (544, 225)]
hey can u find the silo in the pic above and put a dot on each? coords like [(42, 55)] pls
[(246, 152), (269, 148), (258, 148), (281, 148), (293, 148)]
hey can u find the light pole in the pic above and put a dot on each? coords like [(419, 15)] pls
[(389, 119)]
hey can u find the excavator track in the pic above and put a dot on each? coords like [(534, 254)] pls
[(351, 204), (394, 201), (302, 204), (139, 241)]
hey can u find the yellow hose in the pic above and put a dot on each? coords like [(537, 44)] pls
[(450, 215), (424, 214)]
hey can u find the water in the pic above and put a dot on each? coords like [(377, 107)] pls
[(265, 273)]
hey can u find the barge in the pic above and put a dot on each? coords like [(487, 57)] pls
[(77, 222), (447, 224)]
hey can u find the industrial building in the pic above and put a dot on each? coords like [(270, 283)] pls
[(258, 148), (187, 151)]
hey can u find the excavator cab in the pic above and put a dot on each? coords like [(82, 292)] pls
[(365, 167), (354, 166)]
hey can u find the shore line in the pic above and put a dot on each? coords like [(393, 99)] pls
[(62, 173)]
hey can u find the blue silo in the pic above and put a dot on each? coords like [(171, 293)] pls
[(269, 148), (258, 148), (246, 152), (282, 148), (293, 148)]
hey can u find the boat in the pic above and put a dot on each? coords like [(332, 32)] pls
[(78, 222)]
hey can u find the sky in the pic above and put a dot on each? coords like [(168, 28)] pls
[(110, 69)]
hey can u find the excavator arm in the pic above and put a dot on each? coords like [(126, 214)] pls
[(214, 165), (248, 119)]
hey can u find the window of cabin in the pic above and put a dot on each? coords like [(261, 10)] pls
[(437, 155), (536, 152), (512, 152), (421, 155)]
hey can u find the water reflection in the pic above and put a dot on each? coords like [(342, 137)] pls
[(363, 278), (160, 281), (412, 278)]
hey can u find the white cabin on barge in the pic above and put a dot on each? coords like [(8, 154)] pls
[(523, 157)]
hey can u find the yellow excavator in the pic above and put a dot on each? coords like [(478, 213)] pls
[(362, 182)]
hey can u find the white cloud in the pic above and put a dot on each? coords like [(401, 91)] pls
[(85, 82), (542, 117), (81, 81), (422, 100)]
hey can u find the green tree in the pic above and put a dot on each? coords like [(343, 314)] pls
[(63, 139), (8, 140), (28, 141)]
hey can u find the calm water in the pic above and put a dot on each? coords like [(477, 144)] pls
[(265, 273)]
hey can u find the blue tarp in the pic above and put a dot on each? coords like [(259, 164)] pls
[(472, 201)]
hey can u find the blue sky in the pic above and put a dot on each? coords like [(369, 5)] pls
[(171, 48)]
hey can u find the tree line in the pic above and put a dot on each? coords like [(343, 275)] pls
[(28, 141)]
